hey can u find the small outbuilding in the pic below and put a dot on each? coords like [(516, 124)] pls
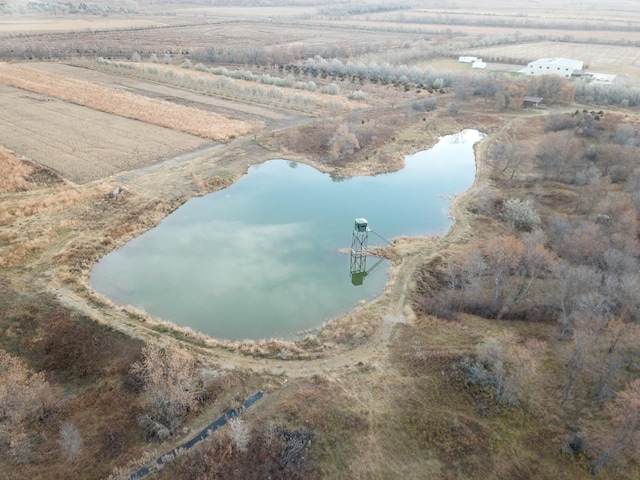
[(531, 101), (360, 225)]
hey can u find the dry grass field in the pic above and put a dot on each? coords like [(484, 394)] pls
[(13, 172), (37, 24), (80, 143), (250, 113), (124, 104), (249, 94)]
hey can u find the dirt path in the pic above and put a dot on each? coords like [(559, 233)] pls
[(385, 314), (390, 310)]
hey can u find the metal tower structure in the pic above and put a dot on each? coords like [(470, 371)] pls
[(359, 239)]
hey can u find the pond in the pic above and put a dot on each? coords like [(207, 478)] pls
[(261, 258)]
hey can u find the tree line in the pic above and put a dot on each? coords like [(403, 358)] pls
[(565, 254)]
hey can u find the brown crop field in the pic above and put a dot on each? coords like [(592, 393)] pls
[(38, 24), (82, 70), (125, 104), (80, 143)]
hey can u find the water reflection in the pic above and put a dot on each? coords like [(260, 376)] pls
[(261, 258)]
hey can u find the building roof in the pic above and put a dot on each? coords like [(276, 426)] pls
[(529, 101), (557, 62)]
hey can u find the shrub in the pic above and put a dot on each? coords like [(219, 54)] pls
[(169, 388), (504, 366), (475, 372), (521, 215), (331, 89), (426, 105), (266, 79), (576, 443), (453, 109), (560, 121), (441, 305)]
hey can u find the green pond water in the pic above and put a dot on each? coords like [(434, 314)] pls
[(260, 259)]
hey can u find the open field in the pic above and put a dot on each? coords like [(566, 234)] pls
[(22, 24), (599, 58), (503, 350), (155, 17), (610, 21), (125, 104), (252, 114), (200, 39), (80, 143)]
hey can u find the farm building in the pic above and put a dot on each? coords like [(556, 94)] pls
[(531, 101), (479, 64), (563, 67), (468, 59)]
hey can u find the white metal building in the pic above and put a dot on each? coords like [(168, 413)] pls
[(563, 67)]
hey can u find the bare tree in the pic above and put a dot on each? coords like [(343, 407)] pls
[(580, 243), (169, 383), (22, 396), (240, 434), (594, 188), (619, 349), (622, 226), (590, 320), (616, 161), (343, 142), (552, 88), (556, 153), (71, 441), (632, 187), (625, 412), (487, 87), (514, 265), (509, 156), (572, 282), (512, 366), (472, 277)]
